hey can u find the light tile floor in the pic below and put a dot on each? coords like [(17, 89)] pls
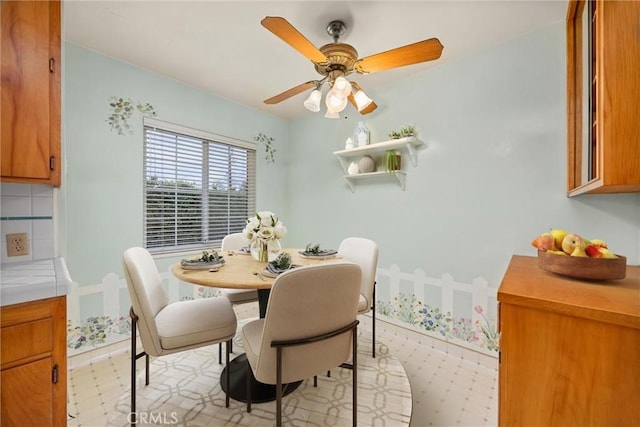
[(450, 386)]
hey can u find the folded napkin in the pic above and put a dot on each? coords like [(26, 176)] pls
[(270, 268), (202, 264), (320, 253), (314, 251)]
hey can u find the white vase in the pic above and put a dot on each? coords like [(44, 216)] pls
[(353, 169), (361, 135), (265, 251)]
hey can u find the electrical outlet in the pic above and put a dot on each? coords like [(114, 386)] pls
[(17, 244)]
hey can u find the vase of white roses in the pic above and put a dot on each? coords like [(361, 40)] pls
[(264, 231)]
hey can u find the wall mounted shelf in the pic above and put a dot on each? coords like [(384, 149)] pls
[(408, 144), (399, 175)]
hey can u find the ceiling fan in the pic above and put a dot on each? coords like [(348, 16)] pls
[(335, 61)]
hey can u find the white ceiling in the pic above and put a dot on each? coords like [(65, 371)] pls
[(220, 46)]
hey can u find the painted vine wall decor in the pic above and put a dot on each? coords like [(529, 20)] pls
[(268, 141), (122, 109)]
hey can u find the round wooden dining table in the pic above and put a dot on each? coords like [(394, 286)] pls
[(241, 271)]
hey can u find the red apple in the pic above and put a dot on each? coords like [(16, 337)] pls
[(593, 251)]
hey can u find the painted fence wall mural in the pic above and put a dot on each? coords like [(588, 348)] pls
[(438, 307)]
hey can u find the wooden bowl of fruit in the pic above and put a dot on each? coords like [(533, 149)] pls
[(573, 256)]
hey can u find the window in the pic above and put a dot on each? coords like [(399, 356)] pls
[(198, 187)]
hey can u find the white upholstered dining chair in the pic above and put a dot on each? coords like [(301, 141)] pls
[(364, 252), (235, 242), (310, 327), (166, 327)]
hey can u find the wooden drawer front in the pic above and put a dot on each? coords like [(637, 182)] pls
[(27, 339)]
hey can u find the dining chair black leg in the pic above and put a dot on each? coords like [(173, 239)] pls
[(134, 357), (278, 386), (220, 353), (133, 368), (355, 376), (228, 375), (373, 321), (315, 381), (146, 368), (249, 378)]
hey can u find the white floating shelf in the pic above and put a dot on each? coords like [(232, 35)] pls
[(400, 176), (410, 144)]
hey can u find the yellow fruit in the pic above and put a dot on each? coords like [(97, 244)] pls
[(599, 242), (557, 253), (579, 251), (606, 253), (572, 241), (558, 235)]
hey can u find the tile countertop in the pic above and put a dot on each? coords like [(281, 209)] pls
[(34, 280)]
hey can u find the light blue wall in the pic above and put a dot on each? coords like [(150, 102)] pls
[(103, 174), (491, 178)]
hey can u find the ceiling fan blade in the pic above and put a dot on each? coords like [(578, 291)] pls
[(426, 50), (287, 32), (368, 109), (291, 92)]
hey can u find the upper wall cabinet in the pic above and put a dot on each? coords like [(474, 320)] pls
[(603, 96), (30, 111)]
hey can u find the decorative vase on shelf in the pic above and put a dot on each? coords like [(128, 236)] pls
[(265, 250), (362, 135), (367, 164), (353, 169)]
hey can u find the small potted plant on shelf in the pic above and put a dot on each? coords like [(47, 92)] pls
[(403, 132), (408, 130), (392, 160), (394, 135)]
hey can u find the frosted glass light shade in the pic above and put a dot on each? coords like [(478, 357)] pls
[(362, 100), (334, 102), (341, 87), (313, 101), (332, 114)]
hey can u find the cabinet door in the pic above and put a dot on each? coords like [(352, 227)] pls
[(27, 395), (30, 91), (603, 93)]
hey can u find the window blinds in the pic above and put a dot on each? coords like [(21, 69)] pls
[(196, 189)]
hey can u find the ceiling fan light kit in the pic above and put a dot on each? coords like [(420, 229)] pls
[(362, 100), (335, 61), (313, 101), (334, 102)]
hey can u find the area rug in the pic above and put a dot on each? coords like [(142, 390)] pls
[(184, 390)]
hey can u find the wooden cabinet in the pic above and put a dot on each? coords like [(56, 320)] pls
[(568, 349), (408, 144), (33, 380), (603, 96), (30, 112)]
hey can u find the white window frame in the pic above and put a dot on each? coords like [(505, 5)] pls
[(208, 232)]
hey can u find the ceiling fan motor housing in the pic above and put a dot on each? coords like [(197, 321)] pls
[(341, 57)]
